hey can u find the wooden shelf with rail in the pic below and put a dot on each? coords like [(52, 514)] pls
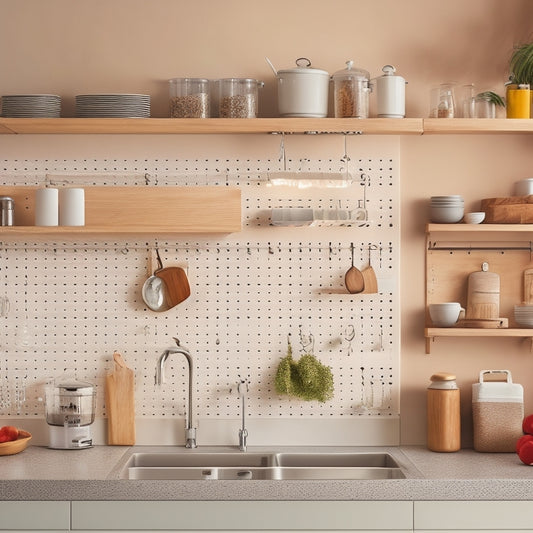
[(173, 126), (131, 211), (453, 251)]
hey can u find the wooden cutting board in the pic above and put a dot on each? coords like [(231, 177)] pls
[(483, 300), (120, 403), (528, 286)]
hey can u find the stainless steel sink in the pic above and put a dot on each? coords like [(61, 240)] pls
[(258, 466)]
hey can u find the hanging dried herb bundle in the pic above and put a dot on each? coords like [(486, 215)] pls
[(306, 378)]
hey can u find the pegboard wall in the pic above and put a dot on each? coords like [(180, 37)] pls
[(66, 306)]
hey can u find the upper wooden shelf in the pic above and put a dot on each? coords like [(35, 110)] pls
[(477, 125), (373, 126), (370, 126)]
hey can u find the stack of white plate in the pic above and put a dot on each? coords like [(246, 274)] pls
[(523, 314), (113, 105), (446, 209), (31, 106)]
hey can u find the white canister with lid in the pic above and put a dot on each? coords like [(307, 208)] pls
[(391, 94), (352, 91), (303, 91)]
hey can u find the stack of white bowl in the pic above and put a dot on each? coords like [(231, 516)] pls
[(523, 314), (446, 209)]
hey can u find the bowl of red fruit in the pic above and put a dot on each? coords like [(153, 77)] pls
[(13, 440)]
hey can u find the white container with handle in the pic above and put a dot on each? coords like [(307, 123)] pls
[(303, 91), (498, 411)]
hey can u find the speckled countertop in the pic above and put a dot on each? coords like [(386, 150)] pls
[(39, 473)]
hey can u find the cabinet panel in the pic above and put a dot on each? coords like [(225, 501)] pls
[(37, 516), (242, 515), (472, 515)]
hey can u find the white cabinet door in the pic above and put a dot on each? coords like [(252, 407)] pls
[(35, 516), (487, 516), (242, 516)]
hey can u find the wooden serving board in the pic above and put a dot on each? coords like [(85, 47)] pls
[(120, 403), (500, 323), (528, 286), (483, 301)]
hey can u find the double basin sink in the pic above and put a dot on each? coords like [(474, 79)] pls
[(172, 465)]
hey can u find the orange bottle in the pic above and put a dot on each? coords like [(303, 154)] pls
[(443, 414)]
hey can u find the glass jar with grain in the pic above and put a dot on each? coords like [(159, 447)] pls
[(238, 97), (352, 90), (189, 98)]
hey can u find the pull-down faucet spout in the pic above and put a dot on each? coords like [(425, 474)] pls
[(190, 430)]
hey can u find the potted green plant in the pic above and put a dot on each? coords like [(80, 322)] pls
[(520, 81)]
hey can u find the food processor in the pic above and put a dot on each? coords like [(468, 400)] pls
[(70, 410)]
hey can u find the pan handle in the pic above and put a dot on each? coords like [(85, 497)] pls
[(159, 262)]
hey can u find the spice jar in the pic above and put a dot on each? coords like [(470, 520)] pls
[(352, 90), (238, 97), (189, 98), (443, 414), (7, 211)]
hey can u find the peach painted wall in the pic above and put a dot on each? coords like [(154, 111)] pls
[(135, 46)]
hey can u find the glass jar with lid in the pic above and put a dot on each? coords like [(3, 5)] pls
[(238, 97), (352, 90), (189, 98)]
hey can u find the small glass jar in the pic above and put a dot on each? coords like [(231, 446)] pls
[(189, 98), (238, 97), (352, 91)]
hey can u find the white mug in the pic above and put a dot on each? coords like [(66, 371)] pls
[(445, 315)]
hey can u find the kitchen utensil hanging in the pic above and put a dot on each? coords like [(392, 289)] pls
[(369, 275), (166, 287), (153, 290), (353, 279)]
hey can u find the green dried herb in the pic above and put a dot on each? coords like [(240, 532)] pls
[(306, 378)]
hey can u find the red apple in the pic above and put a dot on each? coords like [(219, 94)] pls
[(526, 453), (522, 440), (8, 433), (527, 425)]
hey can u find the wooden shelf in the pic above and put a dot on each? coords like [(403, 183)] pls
[(142, 210), (477, 125), (370, 126), (373, 126), (432, 333), (479, 228)]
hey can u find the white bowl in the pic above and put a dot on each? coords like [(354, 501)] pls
[(446, 215), (474, 217)]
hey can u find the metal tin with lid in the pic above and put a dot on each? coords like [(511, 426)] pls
[(303, 91), (352, 90), (7, 211)]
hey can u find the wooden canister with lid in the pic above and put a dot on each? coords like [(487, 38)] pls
[(443, 414)]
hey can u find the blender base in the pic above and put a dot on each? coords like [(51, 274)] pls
[(70, 438)]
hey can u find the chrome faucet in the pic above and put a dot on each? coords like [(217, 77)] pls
[(190, 431), (242, 389)]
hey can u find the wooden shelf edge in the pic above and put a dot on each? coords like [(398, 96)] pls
[(476, 125), (478, 332), (82, 231), (478, 228), (371, 126), (432, 333)]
